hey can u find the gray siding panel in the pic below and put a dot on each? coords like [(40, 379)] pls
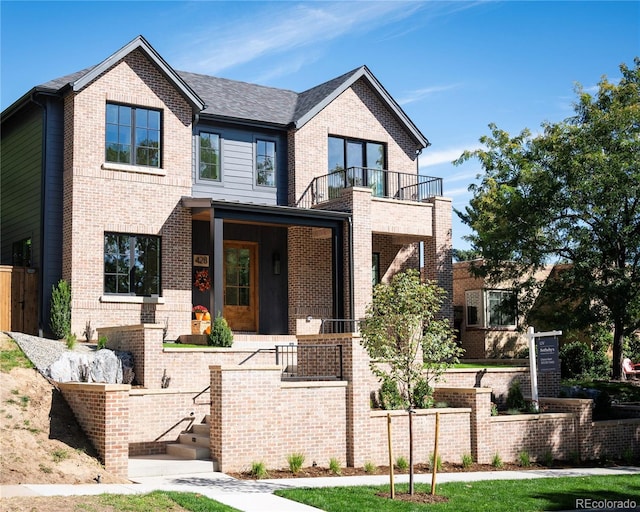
[(237, 157)]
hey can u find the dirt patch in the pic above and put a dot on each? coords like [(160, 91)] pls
[(40, 439)]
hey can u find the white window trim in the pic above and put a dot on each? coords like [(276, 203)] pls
[(132, 299), (139, 169)]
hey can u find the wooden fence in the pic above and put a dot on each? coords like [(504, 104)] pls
[(18, 299)]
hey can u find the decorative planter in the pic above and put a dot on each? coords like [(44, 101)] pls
[(199, 316)]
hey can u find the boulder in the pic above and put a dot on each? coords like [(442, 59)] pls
[(107, 366)]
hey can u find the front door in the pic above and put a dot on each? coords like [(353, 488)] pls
[(240, 286)]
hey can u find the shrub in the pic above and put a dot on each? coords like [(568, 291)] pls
[(402, 464), (494, 409), (496, 462), (221, 334), (295, 460), (467, 460), (389, 396), (61, 309), (547, 458), (438, 462), (258, 470), (71, 341), (515, 399), (423, 395), (370, 468), (102, 342), (524, 459), (632, 347), (334, 466), (578, 360)]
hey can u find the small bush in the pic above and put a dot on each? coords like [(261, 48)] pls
[(494, 409), (579, 360), (496, 462), (60, 455), (547, 459), (515, 399), (423, 395), (258, 470), (524, 459), (467, 460), (102, 342), (370, 468), (402, 464), (295, 460), (334, 466), (61, 309), (438, 462), (71, 341), (221, 334), (389, 396), (627, 456)]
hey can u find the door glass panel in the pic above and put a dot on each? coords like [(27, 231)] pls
[(237, 276), (355, 163), (231, 296), (375, 164)]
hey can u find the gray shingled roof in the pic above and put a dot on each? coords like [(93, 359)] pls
[(242, 101)]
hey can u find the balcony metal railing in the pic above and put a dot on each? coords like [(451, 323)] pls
[(310, 362), (387, 184)]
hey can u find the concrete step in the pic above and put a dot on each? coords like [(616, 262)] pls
[(201, 429), (191, 438), (165, 465), (188, 452)]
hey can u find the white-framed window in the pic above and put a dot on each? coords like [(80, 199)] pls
[(490, 308), (209, 167), (133, 135), (265, 163)]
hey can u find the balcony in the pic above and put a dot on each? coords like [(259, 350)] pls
[(383, 184)]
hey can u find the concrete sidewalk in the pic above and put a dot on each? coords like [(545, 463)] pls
[(257, 495)]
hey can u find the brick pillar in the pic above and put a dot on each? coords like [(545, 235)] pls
[(438, 264), (362, 249)]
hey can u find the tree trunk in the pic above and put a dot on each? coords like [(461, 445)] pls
[(411, 451), (618, 342)]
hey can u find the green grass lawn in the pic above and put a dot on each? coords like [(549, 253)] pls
[(495, 496), (618, 391), (162, 500)]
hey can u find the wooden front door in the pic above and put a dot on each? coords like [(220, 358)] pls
[(240, 286)]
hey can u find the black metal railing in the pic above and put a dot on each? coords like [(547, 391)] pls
[(387, 184), (310, 362)]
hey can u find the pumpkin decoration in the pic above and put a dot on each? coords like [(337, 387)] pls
[(207, 317)]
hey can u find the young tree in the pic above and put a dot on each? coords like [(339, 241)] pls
[(406, 339), (571, 194)]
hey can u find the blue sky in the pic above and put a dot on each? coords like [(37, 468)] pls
[(453, 66)]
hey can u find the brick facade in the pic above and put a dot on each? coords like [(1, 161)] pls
[(100, 197)]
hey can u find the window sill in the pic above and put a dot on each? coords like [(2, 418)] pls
[(139, 169), (131, 299)]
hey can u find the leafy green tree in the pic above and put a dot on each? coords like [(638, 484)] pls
[(61, 309), (407, 340), (466, 254), (570, 194)]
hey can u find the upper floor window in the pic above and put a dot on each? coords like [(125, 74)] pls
[(265, 163), (131, 264), (209, 156), (375, 268), (358, 163), (490, 308), (132, 135)]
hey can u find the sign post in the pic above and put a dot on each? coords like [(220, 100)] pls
[(545, 358)]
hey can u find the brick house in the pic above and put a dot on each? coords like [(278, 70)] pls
[(130, 179)]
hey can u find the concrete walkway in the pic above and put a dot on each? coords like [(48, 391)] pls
[(150, 474)]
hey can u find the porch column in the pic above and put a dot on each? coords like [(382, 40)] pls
[(216, 266)]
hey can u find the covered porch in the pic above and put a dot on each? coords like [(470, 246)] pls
[(271, 270)]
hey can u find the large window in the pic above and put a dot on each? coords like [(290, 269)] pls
[(132, 135), (490, 308), (131, 264), (209, 156), (265, 163), (357, 163)]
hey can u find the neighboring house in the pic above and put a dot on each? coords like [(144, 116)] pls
[(134, 181), (489, 318)]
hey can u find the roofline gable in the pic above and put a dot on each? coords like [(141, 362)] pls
[(365, 73), (140, 43)]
